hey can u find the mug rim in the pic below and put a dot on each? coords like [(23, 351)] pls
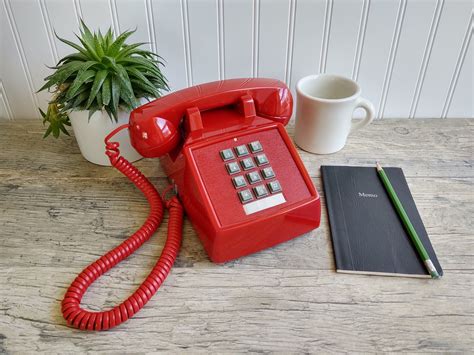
[(316, 76)]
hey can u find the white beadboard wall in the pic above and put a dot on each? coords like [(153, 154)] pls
[(413, 58)]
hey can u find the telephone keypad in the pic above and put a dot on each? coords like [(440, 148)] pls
[(241, 150), (268, 173), (245, 196), (232, 168), (274, 186), (227, 154), (254, 159), (260, 191), (255, 147), (239, 181), (253, 177), (261, 159), (247, 164)]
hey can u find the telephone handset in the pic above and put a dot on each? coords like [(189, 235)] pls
[(237, 174), (154, 126)]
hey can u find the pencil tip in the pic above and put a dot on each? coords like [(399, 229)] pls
[(378, 166)]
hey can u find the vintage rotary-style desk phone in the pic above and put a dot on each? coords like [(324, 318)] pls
[(235, 170)]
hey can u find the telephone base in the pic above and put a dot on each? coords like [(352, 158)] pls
[(231, 218)]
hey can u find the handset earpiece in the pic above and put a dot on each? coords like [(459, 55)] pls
[(154, 137)]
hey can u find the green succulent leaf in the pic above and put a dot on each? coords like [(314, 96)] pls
[(70, 57), (134, 72), (73, 45), (118, 43), (108, 39), (129, 50), (115, 92), (106, 91), (125, 84), (80, 100), (89, 46), (98, 46), (104, 73), (56, 120), (82, 75), (98, 81)]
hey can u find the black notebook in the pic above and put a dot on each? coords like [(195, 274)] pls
[(368, 237)]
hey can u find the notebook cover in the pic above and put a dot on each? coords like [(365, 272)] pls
[(367, 234)]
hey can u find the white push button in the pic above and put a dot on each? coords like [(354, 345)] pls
[(245, 196), (247, 164), (274, 186), (227, 154), (260, 191), (241, 150), (232, 168), (239, 181), (261, 159), (268, 173), (253, 177), (255, 147)]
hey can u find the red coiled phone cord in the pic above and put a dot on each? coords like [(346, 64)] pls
[(80, 318)]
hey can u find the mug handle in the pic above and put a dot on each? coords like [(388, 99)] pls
[(369, 114)]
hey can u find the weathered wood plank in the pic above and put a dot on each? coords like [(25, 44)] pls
[(421, 147), (101, 213), (58, 213), (260, 309)]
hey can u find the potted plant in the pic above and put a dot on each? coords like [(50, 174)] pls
[(95, 88)]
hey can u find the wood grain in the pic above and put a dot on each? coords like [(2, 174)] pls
[(58, 213)]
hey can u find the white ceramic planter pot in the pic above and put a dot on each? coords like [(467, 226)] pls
[(90, 135)]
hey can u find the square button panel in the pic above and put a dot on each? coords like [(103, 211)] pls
[(253, 177), (255, 147), (268, 173), (239, 181), (241, 150), (261, 159), (245, 196), (232, 168), (247, 164), (260, 191), (274, 186)]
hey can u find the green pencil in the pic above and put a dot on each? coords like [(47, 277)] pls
[(407, 223)]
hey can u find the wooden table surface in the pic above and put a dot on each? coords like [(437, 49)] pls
[(58, 213)]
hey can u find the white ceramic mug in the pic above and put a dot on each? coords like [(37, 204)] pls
[(324, 110)]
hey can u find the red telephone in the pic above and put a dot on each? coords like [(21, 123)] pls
[(235, 170)]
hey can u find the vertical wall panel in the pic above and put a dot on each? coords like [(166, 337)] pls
[(12, 73), (442, 62), (132, 15), (273, 38), (4, 115), (408, 58), (379, 43), (406, 54), (342, 44), (168, 25), (238, 24), (97, 14), (5, 109), (308, 39), (462, 104), (204, 40), (63, 20), (36, 44)]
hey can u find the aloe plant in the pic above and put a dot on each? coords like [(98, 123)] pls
[(104, 73)]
